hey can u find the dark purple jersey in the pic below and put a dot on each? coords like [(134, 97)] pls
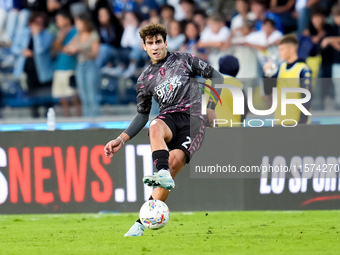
[(173, 84)]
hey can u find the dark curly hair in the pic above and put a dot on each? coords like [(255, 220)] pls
[(153, 30)]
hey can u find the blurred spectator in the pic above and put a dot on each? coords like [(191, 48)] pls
[(284, 10), (175, 37), (265, 41), (317, 27), (93, 7), (86, 45), (32, 47), (121, 6), (316, 32), (167, 14), (54, 6), (191, 38), (332, 42), (188, 7), (268, 36), (111, 32), (259, 8), (145, 8), (154, 19), (5, 7), (130, 52), (65, 66), (292, 73), (243, 10), (240, 37), (215, 33), (179, 13), (302, 13), (16, 20), (238, 27), (221, 6), (200, 18), (213, 37)]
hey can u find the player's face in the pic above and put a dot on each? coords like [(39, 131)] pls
[(285, 51), (156, 48)]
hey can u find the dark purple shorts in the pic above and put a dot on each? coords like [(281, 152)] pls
[(187, 132)]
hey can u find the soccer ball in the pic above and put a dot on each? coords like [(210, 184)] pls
[(154, 214)]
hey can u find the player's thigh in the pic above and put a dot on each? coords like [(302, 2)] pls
[(159, 127), (177, 161)]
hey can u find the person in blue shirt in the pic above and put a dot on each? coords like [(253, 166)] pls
[(146, 8), (259, 8), (63, 77), (32, 48)]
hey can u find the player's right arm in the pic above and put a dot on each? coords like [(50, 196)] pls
[(144, 101), (133, 129)]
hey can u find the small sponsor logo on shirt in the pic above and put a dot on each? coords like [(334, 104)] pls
[(166, 89)]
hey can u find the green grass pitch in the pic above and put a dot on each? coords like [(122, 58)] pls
[(254, 232)]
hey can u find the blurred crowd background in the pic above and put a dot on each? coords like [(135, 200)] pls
[(81, 55)]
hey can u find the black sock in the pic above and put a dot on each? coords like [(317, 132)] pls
[(151, 198), (161, 159)]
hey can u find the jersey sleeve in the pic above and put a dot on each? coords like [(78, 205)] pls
[(197, 66), (144, 98)]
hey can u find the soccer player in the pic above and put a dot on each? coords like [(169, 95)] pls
[(171, 80), (292, 73)]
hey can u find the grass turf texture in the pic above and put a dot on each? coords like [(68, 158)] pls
[(259, 232)]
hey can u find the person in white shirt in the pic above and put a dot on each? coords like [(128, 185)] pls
[(268, 36), (242, 7), (237, 26), (265, 41), (215, 33), (239, 38)]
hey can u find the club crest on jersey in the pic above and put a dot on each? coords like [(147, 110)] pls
[(162, 71)]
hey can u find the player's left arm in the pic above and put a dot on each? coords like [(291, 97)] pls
[(203, 69), (216, 78), (306, 83), (206, 71)]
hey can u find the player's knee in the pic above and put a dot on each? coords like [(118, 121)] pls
[(155, 129)]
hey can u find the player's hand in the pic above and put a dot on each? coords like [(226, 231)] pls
[(211, 114), (112, 147)]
